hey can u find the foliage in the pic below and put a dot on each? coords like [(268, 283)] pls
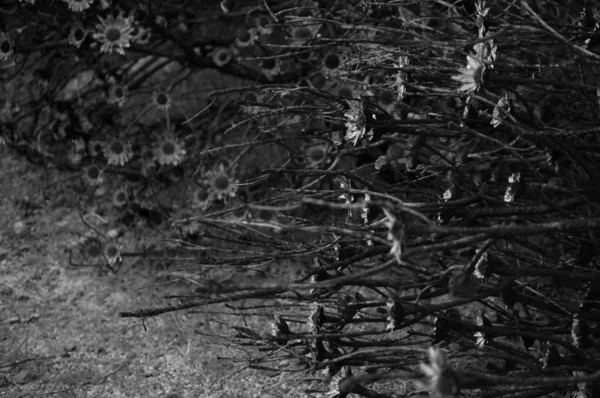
[(430, 167)]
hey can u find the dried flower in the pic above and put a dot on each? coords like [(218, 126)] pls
[(355, 121), (440, 380), (120, 197), (246, 38), (395, 233), (270, 67), (315, 154), (502, 108), (112, 253)]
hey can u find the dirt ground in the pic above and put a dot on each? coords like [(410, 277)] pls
[(60, 333)]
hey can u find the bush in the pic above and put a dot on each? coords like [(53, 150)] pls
[(380, 180)]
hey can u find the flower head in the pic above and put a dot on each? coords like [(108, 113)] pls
[(92, 175), (222, 56), (315, 154), (92, 248), (112, 253), (6, 46), (220, 184), (262, 23), (501, 109), (117, 152), (302, 34), (201, 198), (79, 5), (161, 100), (169, 151), (270, 67), (114, 34), (120, 197), (471, 76), (77, 35), (117, 94), (246, 38), (331, 63), (355, 121), (440, 380)]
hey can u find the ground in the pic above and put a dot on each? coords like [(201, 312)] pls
[(60, 333)]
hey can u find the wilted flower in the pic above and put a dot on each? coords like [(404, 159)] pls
[(471, 76), (77, 35), (79, 5), (169, 151), (92, 175), (222, 56), (440, 379), (161, 100), (118, 152), (220, 184), (395, 233), (501, 109), (515, 187), (114, 34), (302, 34), (117, 94), (486, 52), (6, 46), (401, 77), (355, 121)]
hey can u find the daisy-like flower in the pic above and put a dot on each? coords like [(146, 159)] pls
[(440, 379), (114, 34), (221, 56), (201, 198), (95, 148), (161, 100), (118, 152), (120, 197), (92, 175), (169, 151), (112, 253), (92, 248), (117, 94), (270, 67), (331, 63), (355, 121), (471, 76), (395, 233), (186, 224), (79, 5), (6, 46), (220, 184), (77, 35), (315, 154), (246, 38), (262, 23)]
